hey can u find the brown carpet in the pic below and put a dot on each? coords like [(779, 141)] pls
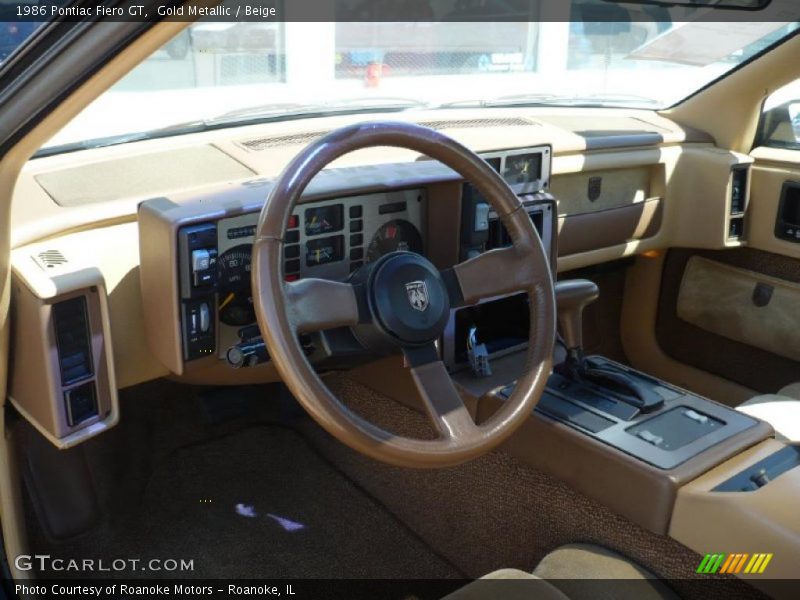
[(495, 512), (260, 503)]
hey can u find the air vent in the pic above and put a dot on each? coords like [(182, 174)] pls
[(478, 123), (296, 139), (73, 340), (738, 203), (280, 141), (738, 191), (50, 259)]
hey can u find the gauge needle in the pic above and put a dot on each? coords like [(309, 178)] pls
[(227, 300), (317, 256)]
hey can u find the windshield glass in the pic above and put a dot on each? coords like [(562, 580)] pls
[(219, 74)]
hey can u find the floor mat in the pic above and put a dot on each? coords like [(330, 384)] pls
[(262, 504)]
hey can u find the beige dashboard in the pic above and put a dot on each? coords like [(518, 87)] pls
[(626, 182)]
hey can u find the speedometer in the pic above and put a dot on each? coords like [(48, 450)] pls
[(235, 295), (395, 236)]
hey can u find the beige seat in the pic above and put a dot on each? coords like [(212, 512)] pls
[(781, 410), (571, 573)]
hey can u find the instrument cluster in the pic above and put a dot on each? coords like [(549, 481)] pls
[(328, 239)]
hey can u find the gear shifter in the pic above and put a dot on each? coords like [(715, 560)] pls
[(572, 296)]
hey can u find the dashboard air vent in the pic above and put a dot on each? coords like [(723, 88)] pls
[(739, 191), (295, 139), (477, 123), (73, 340), (279, 141), (49, 259)]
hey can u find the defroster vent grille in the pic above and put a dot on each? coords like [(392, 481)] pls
[(294, 139)]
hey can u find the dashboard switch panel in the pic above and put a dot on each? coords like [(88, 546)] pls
[(198, 328), (197, 248)]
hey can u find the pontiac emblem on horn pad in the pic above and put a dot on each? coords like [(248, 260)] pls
[(417, 295)]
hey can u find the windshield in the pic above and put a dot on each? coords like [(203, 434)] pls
[(220, 74)]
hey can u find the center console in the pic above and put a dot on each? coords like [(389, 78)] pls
[(618, 435)]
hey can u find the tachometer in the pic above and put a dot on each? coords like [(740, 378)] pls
[(395, 236), (235, 295)]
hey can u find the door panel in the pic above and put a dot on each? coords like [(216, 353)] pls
[(741, 305), (773, 169), (691, 337)]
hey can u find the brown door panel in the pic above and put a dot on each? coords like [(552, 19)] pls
[(693, 345)]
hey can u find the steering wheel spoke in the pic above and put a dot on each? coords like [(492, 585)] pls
[(317, 304), (445, 407), (495, 273)]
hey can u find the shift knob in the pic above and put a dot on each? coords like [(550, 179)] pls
[(572, 296)]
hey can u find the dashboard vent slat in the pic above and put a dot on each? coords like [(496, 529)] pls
[(296, 139), (73, 340), (478, 123), (50, 259)]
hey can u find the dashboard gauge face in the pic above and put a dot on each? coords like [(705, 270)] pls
[(235, 296), (394, 236), (234, 267), (324, 219), (324, 250), (524, 168)]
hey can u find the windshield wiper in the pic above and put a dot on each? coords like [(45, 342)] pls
[(278, 111), (281, 110), (589, 101)]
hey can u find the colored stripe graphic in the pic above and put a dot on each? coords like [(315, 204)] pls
[(710, 563), (733, 564), (764, 564)]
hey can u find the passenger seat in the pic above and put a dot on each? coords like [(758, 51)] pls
[(781, 410)]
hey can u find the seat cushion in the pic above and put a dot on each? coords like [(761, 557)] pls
[(508, 584), (792, 391), (574, 569), (571, 572), (781, 410)]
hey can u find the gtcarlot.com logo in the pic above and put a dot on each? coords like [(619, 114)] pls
[(45, 562), (733, 564)]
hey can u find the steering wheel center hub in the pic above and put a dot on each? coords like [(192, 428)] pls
[(408, 298)]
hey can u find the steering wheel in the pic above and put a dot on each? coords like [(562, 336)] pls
[(403, 300)]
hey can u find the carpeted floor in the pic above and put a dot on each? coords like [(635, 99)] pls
[(244, 483), (261, 503)]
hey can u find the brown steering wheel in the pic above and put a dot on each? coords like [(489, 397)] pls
[(380, 300)]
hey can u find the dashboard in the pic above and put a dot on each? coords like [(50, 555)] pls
[(176, 312)]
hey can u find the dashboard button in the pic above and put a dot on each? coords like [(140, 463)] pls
[(291, 252), (200, 260), (356, 239), (356, 226), (356, 211), (292, 237), (205, 317), (292, 266), (294, 222), (356, 254)]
